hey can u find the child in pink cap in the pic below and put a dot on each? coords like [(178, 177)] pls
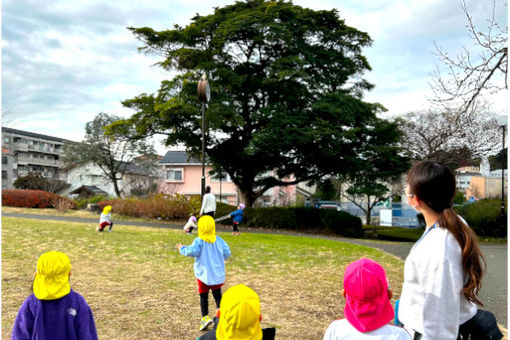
[(368, 310), (188, 227), (238, 218)]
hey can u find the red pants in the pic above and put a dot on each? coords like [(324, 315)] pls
[(203, 288)]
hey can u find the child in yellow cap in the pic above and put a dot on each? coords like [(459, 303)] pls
[(239, 317), (54, 311), (105, 219), (210, 252)]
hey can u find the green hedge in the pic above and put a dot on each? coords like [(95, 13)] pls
[(484, 217), (300, 219)]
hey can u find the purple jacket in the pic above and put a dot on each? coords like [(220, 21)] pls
[(66, 318)]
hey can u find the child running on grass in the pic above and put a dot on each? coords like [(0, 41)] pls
[(239, 317), (368, 310), (188, 227), (210, 252), (238, 218), (105, 219), (54, 311)]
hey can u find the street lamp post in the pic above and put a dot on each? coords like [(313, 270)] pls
[(204, 94), (503, 123)]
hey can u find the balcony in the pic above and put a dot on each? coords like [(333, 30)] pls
[(40, 161)]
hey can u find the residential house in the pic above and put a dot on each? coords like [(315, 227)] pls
[(183, 173), (487, 186), (464, 175), (24, 152), (134, 179)]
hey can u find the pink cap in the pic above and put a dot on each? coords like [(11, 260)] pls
[(368, 305), (193, 218), (242, 206)]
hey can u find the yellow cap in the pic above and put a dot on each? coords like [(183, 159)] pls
[(107, 209), (239, 315), (207, 229), (52, 278)]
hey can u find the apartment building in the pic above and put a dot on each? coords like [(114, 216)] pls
[(24, 152)]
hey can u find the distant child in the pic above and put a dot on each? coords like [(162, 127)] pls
[(54, 311), (368, 310), (239, 317), (105, 219), (210, 252), (238, 218), (188, 227)]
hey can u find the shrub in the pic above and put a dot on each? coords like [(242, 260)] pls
[(62, 204), (484, 217), (32, 199), (82, 203), (303, 219), (161, 205)]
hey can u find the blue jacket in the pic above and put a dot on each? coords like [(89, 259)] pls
[(237, 215), (210, 259)]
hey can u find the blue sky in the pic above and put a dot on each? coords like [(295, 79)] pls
[(65, 61)]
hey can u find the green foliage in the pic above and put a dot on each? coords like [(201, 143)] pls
[(303, 219), (327, 190), (287, 91), (498, 160), (82, 203), (484, 217), (459, 197)]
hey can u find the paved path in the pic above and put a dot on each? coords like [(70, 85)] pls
[(494, 291)]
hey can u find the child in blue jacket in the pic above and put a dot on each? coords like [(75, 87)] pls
[(210, 252), (238, 218)]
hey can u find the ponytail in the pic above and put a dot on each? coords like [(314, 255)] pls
[(472, 257)]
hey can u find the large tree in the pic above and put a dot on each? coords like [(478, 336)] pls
[(113, 153), (286, 93)]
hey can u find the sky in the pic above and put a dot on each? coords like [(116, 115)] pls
[(65, 61)]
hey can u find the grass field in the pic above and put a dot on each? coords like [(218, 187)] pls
[(139, 287)]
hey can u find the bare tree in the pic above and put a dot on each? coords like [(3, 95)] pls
[(8, 116), (470, 76), (450, 136)]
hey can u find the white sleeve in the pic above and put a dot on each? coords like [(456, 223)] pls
[(442, 300), (203, 204)]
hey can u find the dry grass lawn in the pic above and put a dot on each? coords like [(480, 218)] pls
[(139, 287)]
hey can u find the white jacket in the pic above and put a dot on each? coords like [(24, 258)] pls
[(208, 203), (343, 330), (432, 302)]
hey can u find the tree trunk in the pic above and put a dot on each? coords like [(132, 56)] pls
[(248, 198), (116, 188), (367, 214)]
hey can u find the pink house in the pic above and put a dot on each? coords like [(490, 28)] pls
[(182, 174)]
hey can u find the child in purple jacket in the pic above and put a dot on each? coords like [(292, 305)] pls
[(54, 311)]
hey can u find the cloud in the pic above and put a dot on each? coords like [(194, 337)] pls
[(65, 61)]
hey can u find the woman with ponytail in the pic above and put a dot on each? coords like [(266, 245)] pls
[(444, 269)]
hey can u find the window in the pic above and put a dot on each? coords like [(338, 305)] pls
[(4, 160), (215, 177), (174, 175), (4, 174), (7, 139)]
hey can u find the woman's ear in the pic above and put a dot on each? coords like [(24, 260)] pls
[(218, 313), (390, 294), (260, 317), (343, 293)]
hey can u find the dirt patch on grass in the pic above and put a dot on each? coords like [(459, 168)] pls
[(139, 287)]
